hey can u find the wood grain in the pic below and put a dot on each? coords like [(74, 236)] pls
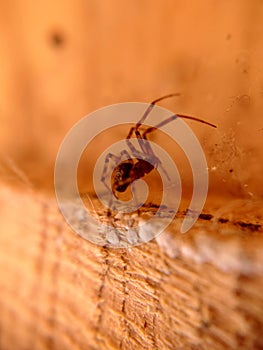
[(201, 290)]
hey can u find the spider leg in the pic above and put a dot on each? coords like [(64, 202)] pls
[(106, 166), (139, 123), (169, 120), (151, 154), (117, 159), (173, 117), (148, 151), (134, 151), (126, 154), (147, 112), (103, 177), (146, 147)]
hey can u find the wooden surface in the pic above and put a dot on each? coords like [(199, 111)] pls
[(202, 290), (60, 61)]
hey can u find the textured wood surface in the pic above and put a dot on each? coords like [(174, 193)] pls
[(202, 290), (62, 60)]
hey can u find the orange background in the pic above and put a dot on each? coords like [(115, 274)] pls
[(61, 60)]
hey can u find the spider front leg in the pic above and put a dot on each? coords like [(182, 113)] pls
[(105, 168), (117, 160), (106, 172), (173, 117), (148, 111), (140, 122)]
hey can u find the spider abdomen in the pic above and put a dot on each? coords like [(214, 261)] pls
[(141, 168)]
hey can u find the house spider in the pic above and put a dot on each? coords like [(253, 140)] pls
[(136, 164)]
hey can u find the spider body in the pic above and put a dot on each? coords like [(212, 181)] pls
[(138, 163), (128, 171)]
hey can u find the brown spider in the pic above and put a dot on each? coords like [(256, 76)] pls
[(136, 165)]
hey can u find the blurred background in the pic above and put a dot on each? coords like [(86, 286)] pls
[(61, 60)]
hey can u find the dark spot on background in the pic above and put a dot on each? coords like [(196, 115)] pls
[(57, 39)]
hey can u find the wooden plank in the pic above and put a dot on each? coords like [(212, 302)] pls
[(198, 290)]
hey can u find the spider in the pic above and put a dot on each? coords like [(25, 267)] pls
[(137, 164)]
